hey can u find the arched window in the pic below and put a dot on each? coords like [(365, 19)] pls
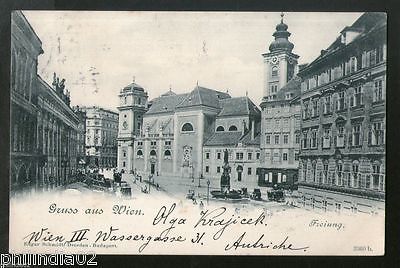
[(355, 174), (233, 128), (274, 71), (187, 127), (153, 153), (139, 153), (314, 170), (220, 128), (167, 153)]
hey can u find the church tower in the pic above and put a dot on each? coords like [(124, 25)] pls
[(280, 64), (133, 105)]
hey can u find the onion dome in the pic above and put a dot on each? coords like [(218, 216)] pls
[(281, 41)]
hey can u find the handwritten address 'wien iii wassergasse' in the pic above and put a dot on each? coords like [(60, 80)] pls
[(210, 224)]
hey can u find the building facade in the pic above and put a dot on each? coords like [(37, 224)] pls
[(280, 123), (101, 137), (237, 129), (172, 135), (342, 159), (43, 127), (81, 137)]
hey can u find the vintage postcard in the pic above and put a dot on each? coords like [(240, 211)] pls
[(217, 133)]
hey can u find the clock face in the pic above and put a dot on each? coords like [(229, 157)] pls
[(274, 59), (124, 125)]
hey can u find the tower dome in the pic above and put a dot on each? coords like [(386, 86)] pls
[(281, 35)]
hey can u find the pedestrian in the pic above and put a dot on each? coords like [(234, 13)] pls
[(201, 205)]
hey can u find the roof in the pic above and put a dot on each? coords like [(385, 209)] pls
[(364, 25), (203, 96), (133, 86), (224, 138), (293, 86), (232, 138), (238, 106), (165, 103), (246, 139)]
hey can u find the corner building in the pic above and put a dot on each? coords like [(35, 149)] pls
[(342, 159), (280, 117)]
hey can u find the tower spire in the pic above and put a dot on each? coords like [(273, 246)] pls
[(282, 14)]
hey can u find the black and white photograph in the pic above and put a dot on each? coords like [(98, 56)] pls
[(198, 133)]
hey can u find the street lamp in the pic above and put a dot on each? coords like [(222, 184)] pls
[(208, 189)]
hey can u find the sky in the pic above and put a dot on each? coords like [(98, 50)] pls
[(98, 53)]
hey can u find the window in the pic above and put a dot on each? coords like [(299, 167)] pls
[(249, 171), (187, 127), (314, 139), (249, 156), (325, 173), (239, 156), (207, 155), (207, 169), (356, 135), (340, 137), (123, 164), (326, 139), (139, 143), (167, 154), (376, 135), (167, 143), (153, 143), (305, 110), (218, 169), (339, 173), (124, 153), (274, 71), (218, 155), (296, 156), (377, 177), (304, 143), (277, 122), (284, 156), (353, 64), (153, 153), (314, 171), (276, 139), (340, 102), (314, 111), (357, 98), (286, 139), (355, 175), (273, 88), (220, 128), (258, 156), (378, 90), (327, 104), (233, 128), (268, 139), (297, 137)]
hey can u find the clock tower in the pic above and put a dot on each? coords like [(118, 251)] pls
[(280, 64), (132, 106)]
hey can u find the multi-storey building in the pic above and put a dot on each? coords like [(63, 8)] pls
[(80, 138), (280, 123), (101, 137), (43, 126), (342, 160), (236, 130)]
